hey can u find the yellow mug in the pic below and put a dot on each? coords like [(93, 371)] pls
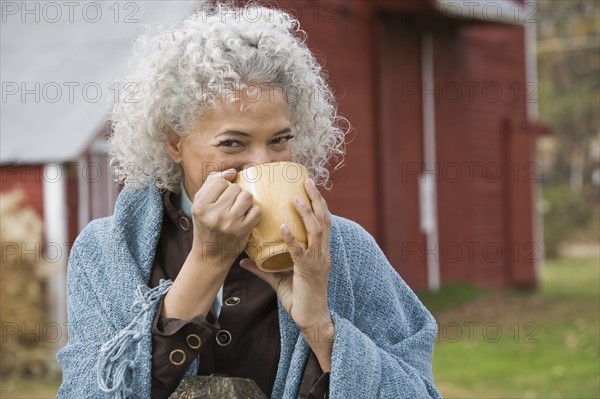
[(274, 186)]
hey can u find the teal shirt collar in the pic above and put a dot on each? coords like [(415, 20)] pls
[(184, 201)]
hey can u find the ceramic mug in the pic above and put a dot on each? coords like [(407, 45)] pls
[(274, 186)]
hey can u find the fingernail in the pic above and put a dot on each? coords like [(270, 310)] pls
[(298, 200), (285, 229), (312, 182)]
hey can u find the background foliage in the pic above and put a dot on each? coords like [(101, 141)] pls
[(569, 101)]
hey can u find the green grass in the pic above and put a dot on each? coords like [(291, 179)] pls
[(571, 278), (450, 296), (549, 344)]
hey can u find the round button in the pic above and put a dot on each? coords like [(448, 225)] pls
[(223, 338), (193, 341), (184, 223), (177, 357), (232, 301)]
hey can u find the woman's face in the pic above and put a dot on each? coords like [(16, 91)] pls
[(252, 130)]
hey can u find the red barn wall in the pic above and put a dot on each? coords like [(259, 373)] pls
[(471, 133), (400, 148), (28, 178), (372, 49), (72, 199)]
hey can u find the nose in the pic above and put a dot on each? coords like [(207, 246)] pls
[(258, 157)]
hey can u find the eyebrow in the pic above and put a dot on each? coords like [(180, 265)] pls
[(244, 134)]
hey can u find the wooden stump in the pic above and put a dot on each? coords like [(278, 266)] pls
[(213, 387)]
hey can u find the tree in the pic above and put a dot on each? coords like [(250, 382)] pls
[(569, 85)]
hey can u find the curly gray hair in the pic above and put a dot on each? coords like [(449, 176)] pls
[(218, 50)]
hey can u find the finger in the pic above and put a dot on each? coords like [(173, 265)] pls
[(243, 201), (293, 246), (319, 206), (223, 176), (228, 197), (313, 228), (252, 217), (214, 185)]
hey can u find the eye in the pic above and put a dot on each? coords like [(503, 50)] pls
[(230, 143), (282, 140)]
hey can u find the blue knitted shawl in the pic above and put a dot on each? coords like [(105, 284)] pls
[(383, 341)]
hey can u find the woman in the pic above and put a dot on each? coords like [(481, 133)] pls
[(163, 288)]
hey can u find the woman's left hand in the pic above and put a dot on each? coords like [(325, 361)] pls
[(303, 292)]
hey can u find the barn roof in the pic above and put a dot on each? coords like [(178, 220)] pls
[(59, 61)]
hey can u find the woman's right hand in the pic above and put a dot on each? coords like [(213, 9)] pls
[(223, 216)]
